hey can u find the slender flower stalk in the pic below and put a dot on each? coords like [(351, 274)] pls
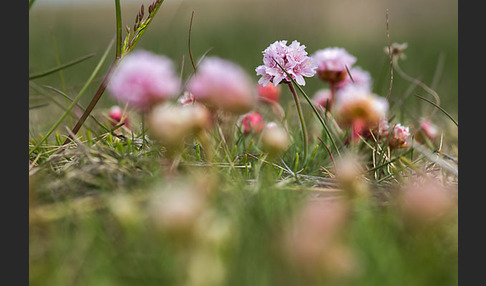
[(301, 117)]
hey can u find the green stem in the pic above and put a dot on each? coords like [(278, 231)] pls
[(301, 117)]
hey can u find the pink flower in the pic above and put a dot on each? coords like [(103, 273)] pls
[(221, 84), (322, 98), (428, 129), (116, 116), (270, 92), (144, 78), (252, 122), (360, 77), (400, 135), (292, 58), (332, 63)]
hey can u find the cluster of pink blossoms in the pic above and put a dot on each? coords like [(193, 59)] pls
[(332, 63), (292, 58), (143, 79), (221, 84)]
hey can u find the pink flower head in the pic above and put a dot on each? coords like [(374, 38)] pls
[(144, 78), (252, 122), (357, 104), (400, 135), (222, 84), (322, 98), (115, 115), (429, 130), (292, 58), (269, 92), (332, 63), (360, 77)]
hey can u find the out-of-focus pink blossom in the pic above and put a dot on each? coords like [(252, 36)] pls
[(426, 202), (269, 92), (427, 129), (400, 134), (221, 84), (144, 78), (115, 115), (252, 123), (292, 58), (360, 77), (332, 63)]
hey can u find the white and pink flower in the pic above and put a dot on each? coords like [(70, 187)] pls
[(400, 135), (293, 59)]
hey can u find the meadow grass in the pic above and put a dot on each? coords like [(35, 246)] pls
[(96, 204)]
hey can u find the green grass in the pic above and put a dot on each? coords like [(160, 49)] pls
[(93, 202)]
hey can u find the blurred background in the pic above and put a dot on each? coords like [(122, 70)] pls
[(239, 30)]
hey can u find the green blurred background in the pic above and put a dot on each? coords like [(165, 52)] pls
[(239, 30)]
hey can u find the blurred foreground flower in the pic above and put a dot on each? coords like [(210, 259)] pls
[(358, 108), (313, 243), (173, 124), (275, 139), (332, 63), (349, 173), (425, 202), (292, 58), (176, 207), (221, 84), (143, 79), (252, 123)]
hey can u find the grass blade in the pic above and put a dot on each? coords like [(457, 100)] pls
[(61, 67), (75, 101)]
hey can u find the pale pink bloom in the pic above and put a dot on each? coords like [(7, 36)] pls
[(313, 241), (292, 58), (252, 123), (275, 139), (332, 63), (322, 98), (357, 104), (360, 77), (143, 78), (221, 84), (423, 203), (269, 92), (429, 129), (400, 134)]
